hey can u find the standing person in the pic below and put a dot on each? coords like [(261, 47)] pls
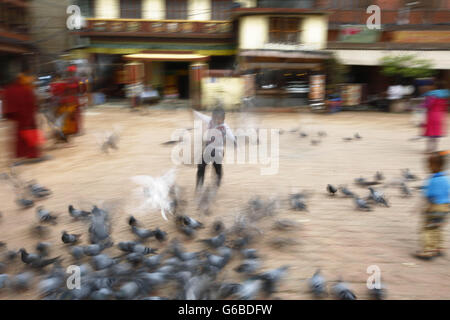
[(436, 105), (436, 192), (216, 122), (21, 107)]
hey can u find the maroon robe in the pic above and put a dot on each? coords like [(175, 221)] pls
[(21, 107)]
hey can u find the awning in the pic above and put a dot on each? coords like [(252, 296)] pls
[(439, 58), (166, 57)]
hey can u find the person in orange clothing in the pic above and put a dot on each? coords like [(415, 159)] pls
[(21, 107)]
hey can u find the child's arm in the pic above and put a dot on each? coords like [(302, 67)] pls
[(202, 116)]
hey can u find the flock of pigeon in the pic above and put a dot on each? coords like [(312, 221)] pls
[(140, 271)]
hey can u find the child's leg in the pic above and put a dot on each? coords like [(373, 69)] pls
[(218, 168), (200, 174)]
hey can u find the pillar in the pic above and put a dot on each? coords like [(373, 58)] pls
[(197, 71)]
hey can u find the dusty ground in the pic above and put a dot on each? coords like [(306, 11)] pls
[(333, 236)]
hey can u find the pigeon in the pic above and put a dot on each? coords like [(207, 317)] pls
[(128, 291), (248, 266), (216, 241), (25, 203), (378, 197), (95, 249), (346, 139), (303, 134), (78, 214), (43, 248), (271, 278), (406, 192), (379, 176), (4, 280), (190, 222), (28, 258), (102, 261), (188, 231), (40, 230), (70, 238), (218, 227), (127, 246), (280, 242), (139, 248), (153, 261), (241, 242), (45, 215), (102, 294), (378, 293), (132, 221), (317, 285), (142, 234), (362, 204), (315, 142), (297, 203), (50, 285), (38, 191), (228, 289), (22, 281), (135, 258), (342, 292), (346, 192), (160, 235), (331, 189), (250, 253), (77, 252), (217, 261), (357, 136), (111, 142), (364, 183), (408, 175), (322, 134), (249, 289), (285, 225)]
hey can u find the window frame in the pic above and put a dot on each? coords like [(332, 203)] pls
[(282, 28)]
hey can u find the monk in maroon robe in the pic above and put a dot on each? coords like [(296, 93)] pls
[(21, 107)]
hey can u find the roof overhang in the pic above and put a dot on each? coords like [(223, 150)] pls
[(285, 54), (166, 56), (240, 12)]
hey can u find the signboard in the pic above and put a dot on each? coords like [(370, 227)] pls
[(421, 36), (317, 87), (351, 94), (358, 34)]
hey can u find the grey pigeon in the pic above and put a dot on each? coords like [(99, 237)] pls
[(408, 175), (25, 203), (379, 176), (406, 192), (342, 292), (38, 191), (378, 197), (153, 261), (190, 222), (77, 252), (45, 215), (102, 294), (142, 234), (249, 289), (78, 214), (346, 192), (297, 202), (362, 204), (22, 281), (160, 235), (128, 291), (102, 261), (216, 241), (271, 278), (248, 266), (68, 238), (250, 253), (331, 189), (43, 248), (378, 293), (317, 285)]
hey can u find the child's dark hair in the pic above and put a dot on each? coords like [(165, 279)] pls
[(218, 112), (438, 158)]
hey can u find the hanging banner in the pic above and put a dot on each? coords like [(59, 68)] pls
[(358, 34)]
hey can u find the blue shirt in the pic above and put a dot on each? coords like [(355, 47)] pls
[(437, 188)]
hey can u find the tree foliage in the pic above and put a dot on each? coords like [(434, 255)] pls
[(406, 67), (336, 72)]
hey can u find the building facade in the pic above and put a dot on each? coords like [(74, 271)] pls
[(420, 28), (15, 40)]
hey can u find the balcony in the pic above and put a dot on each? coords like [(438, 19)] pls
[(288, 4), (157, 28)]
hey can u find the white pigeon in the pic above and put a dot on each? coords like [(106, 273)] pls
[(156, 192)]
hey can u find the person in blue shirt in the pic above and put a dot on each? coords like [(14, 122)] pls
[(436, 192)]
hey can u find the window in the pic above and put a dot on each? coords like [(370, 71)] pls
[(284, 30), (87, 7), (130, 9), (221, 9), (176, 10)]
